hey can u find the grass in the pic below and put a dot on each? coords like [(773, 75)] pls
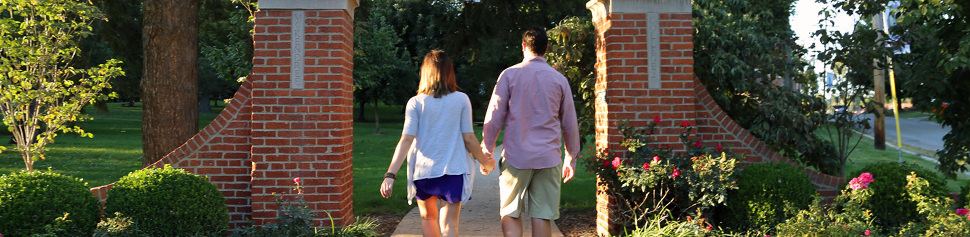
[(866, 154), (114, 151)]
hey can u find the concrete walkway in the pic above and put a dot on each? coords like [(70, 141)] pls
[(479, 216)]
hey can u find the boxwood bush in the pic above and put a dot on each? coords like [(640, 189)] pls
[(890, 204), (31, 201), (767, 194), (169, 202)]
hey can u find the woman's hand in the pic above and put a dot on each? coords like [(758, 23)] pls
[(387, 187)]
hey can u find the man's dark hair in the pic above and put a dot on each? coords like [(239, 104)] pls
[(535, 38)]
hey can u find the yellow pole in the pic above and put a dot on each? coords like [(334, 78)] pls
[(892, 88)]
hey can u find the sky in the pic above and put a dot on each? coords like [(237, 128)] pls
[(805, 19)]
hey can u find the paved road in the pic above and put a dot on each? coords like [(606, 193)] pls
[(917, 132)]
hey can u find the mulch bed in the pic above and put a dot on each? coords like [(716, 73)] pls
[(386, 223), (577, 223)]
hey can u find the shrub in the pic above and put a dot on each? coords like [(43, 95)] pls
[(117, 226), (846, 216), (169, 202), (938, 218), (767, 194), (890, 204), (37, 202), (655, 180)]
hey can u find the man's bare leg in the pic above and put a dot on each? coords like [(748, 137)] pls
[(541, 228), (511, 226)]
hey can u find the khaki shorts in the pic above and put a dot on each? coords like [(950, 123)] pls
[(540, 186)]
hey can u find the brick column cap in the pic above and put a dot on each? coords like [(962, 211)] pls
[(346, 5), (640, 6)]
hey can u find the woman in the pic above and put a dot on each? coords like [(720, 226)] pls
[(438, 121)]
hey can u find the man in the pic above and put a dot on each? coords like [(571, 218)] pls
[(533, 103)]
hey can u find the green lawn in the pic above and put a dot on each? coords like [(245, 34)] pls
[(114, 151), (866, 154)]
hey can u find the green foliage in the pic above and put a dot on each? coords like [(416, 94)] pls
[(845, 217), (571, 52), (383, 70), (653, 180), (741, 48), (225, 46), (767, 194), (295, 218), (41, 93), (890, 204), (939, 219), (34, 202), (940, 69), (117, 226), (659, 226), (170, 202)]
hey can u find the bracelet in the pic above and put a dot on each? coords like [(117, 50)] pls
[(390, 175)]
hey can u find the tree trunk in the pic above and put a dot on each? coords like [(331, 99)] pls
[(360, 114), (204, 104), (102, 106), (377, 119), (170, 80)]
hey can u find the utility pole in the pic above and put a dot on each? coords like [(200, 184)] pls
[(879, 75)]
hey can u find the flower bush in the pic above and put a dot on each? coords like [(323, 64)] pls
[(846, 216), (648, 180), (938, 218), (890, 205)]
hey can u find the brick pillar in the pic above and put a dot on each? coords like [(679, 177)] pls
[(644, 68), (302, 102)]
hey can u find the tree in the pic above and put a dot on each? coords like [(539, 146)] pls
[(940, 82), (226, 49), (121, 38), (382, 70), (936, 71), (742, 48), (40, 89), (170, 80), (571, 52)]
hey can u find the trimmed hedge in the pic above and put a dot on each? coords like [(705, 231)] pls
[(889, 203), (767, 194), (31, 201), (169, 202)]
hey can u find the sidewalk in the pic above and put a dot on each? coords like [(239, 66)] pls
[(479, 216)]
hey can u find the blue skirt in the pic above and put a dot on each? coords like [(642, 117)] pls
[(448, 187)]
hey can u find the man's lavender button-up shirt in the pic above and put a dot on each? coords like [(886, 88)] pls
[(534, 103)]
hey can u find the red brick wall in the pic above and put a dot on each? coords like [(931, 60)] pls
[(271, 133), (623, 92)]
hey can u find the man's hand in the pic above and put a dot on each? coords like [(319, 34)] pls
[(568, 170), (488, 166)]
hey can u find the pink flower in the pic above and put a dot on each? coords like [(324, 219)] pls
[(865, 233), (675, 174), (618, 173), (656, 119), (719, 147), (698, 144), (656, 158), (295, 180), (861, 182), (685, 124), (616, 162), (709, 227), (962, 211), (646, 166)]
